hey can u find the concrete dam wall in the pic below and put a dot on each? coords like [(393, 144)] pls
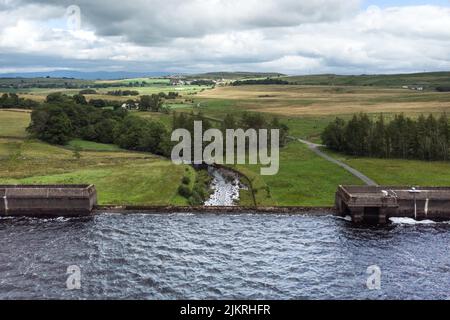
[(378, 204), (48, 200)]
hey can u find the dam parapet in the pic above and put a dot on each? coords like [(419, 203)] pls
[(47, 200), (377, 204)]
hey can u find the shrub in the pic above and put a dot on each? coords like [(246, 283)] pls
[(184, 191), (196, 199), (186, 180)]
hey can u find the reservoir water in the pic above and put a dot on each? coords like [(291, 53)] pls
[(182, 256)]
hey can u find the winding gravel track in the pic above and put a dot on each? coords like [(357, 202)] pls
[(315, 148)]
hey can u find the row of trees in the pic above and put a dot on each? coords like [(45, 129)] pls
[(203, 83), (123, 93), (87, 91), (62, 118), (170, 96), (12, 101), (80, 99), (247, 121), (260, 81), (59, 122), (154, 102), (424, 138)]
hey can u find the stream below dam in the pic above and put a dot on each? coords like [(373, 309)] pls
[(226, 186)]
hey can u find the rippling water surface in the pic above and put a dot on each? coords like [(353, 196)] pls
[(221, 256)]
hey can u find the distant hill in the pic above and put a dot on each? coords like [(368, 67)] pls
[(235, 75), (428, 80), (94, 75)]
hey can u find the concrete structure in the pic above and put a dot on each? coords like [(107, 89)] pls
[(375, 204), (48, 200)]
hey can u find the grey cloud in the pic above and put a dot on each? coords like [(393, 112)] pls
[(150, 21), (195, 35)]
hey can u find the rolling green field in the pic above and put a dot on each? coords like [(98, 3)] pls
[(395, 172), (134, 80), (83, 145), (13, 123), (38, 89), (430, 80), (304, 179), (121, 177)]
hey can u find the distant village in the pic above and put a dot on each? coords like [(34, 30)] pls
[(180, 81), (414, 87)]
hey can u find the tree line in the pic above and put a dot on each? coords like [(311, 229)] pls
[(62, 118), (12, 101), (58, 122), (154, 102), (246, 121), (123, 93), (260, 81), (424, 138)]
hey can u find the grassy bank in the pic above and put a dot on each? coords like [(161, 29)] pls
[(121, 177), (304, 179), (400, 172), (13, 123)]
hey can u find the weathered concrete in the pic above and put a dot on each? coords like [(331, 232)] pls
[(47, 200), (316, 211), (378, 204)]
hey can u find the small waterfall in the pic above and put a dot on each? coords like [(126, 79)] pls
[(226, 186)]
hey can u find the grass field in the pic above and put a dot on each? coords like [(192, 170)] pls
[(13, 123), (166, 119), (429, 80), (121, 177), (40, 94), (92, 146), (304, 178), (396, 172), (292, 100), (134, 80)]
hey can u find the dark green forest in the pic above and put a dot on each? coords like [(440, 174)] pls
[(424, 138)]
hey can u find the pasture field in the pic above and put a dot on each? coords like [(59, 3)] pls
[(14, 123), (121, 177), (153, 86), (292, 100), (304, 179), (155, 89), (83, 145), (134, 80), (428, 80), (394, 172), (166, 119)]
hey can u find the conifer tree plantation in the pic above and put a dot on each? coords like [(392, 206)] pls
[(424, 138)]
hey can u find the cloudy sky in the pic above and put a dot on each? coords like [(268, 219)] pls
[(188, 36)]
